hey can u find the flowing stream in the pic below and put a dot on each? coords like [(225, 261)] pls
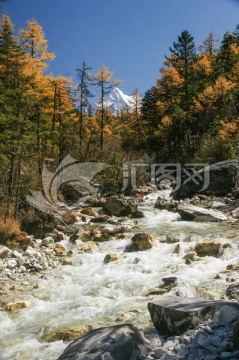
[(93, 293)]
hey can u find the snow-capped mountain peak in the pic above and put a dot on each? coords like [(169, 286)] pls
[(117, 101)]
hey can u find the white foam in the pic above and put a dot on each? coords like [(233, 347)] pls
[(93, 293)]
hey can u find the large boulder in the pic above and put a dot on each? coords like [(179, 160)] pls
[(121, 206), (36, 223), (121, 342), (173, 315), (190, 212), (76, 191), (224, 179)]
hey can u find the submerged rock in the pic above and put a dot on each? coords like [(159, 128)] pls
[(121, 342), (174, 315), (111, 257), (168, 284), (177, 249), (192, 212), (67, 334), (67, 261), (189, 257), (89, 246), (17, 305), (176, 237), (143, 241)]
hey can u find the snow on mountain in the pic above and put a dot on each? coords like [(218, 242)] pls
[(117, 100)]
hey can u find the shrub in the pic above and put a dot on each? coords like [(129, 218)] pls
[(213, 150)]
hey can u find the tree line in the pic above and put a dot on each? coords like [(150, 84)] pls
[(191, 112)]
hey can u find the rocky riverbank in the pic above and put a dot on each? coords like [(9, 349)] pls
[(106, 262), (209, 331)]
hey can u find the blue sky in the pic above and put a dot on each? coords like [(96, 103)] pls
[(131, 37)]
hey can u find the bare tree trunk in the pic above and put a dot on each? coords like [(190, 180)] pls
[(102, 118), (39, 154)]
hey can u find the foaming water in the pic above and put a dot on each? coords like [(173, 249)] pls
[(93, 293)]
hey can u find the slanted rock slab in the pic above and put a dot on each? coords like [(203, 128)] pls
[(121, 342), (191, 212), (173, 315)]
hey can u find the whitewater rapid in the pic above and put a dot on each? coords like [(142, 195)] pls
[(90, 292)]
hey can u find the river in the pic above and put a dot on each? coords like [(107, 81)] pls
[(90, 292)]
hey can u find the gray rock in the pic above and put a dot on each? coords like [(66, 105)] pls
[(19, 258), (159, 352), (52, 235), (121, 342), (174, 315), (3, 265), (30, 252), (22, 269), (217, 204), (4, 252), (224, 179), (47, 241), (107, 356), (203, 340), (225, 354), (226, 315), (12, 263), (191, 212), (171, 357), (174, 238)]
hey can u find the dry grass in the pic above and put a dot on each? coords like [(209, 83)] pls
[(11, 234), (10, 226)]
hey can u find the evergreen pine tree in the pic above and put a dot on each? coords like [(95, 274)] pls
[(85, 79)]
